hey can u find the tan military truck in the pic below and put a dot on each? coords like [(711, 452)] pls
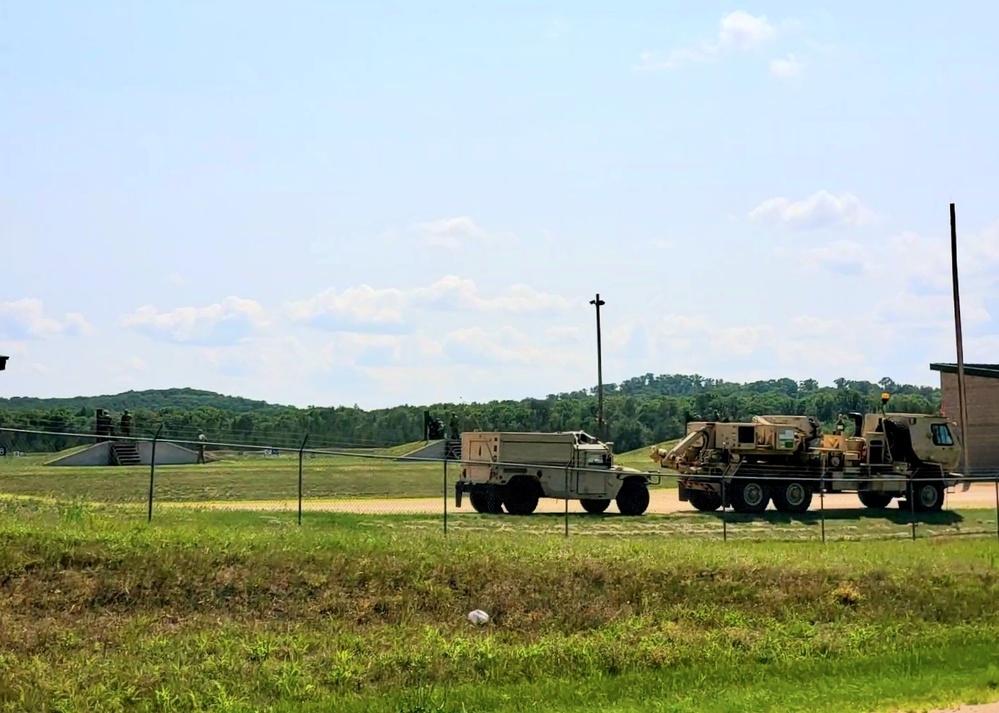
[(514, 471), (787, 459)]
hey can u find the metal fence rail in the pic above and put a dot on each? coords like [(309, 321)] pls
[(384, 489)]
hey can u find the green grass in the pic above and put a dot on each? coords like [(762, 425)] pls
[(250, 477), (235, 478), (247, 611), (639, 458)]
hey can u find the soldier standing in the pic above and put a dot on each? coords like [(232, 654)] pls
[(126, 423), (201, 447)]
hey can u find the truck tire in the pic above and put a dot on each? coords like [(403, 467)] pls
[(791, 496), (704, 500), (521, 496), (594, 507), (633, 497), (748, 495), (874, 500), (486, 499), (926, 495)]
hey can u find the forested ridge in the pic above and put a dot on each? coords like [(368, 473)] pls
[(639, 411)]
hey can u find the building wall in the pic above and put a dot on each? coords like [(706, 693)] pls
[(983, 416)]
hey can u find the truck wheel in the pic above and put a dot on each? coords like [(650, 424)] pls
[(704, 500), (478, 499), (874, 500), (927, 496), (521, 497), (594, 507), (633, 497), (791, 496), (749, 496), (486, 499)]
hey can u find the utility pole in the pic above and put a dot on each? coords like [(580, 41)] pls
[(598, 303), (961, 393)]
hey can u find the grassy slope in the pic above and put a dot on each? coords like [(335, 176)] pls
[(245, 612), (236, 478), (639, 458)]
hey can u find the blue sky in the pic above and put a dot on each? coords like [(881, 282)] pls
[(384, 203)]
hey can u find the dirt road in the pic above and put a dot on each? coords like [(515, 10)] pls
[(663, 502)]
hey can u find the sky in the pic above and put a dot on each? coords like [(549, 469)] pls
[(383, 203)]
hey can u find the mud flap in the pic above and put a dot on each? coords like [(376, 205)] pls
[(683, 493), (458, 490)]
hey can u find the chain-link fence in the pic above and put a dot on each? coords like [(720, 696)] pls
[(428, 487)]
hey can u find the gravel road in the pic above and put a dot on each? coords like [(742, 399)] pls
[(663, 502)]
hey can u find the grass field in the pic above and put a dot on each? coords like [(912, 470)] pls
[(248, 612), (248, 478), (207, 609)]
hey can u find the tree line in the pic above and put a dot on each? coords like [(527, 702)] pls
[(637, 412)]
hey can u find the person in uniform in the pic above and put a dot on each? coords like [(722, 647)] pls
[(126, 423), (201, 447)]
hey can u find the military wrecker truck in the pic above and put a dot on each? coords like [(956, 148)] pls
[(515, 470), (787, 459)]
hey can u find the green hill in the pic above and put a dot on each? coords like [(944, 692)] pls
[(153, 399), (639, 411)]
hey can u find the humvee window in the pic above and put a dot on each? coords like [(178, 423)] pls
[(941, 434)]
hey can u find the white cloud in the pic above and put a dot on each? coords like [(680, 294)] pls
[(230, 321), (508, 345), (360, 309), (819, 210), (913, 301), (789, 66), (738, 31), (26, 319), (391, 310), (452, 233)]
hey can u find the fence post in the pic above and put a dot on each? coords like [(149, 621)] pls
[(152, 473), (567, 499), (446, 454), (724, 512), (996, 477), (822, 499), (301, 455), (913, 489)]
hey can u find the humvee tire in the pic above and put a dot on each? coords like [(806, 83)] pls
[(633, 497), (874, 500), (594, 507), (486, 499), (522, 495)]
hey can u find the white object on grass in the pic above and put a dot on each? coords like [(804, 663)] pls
[(478, 617)]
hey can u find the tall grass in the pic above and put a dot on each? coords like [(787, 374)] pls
[(200, 611)]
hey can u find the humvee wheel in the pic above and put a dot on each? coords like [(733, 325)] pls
[(749, 496), (633, 497), (594, 507), (521, 497), (791, 496), (874, 500), (927, 496), (704, 500), (486, 499)]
